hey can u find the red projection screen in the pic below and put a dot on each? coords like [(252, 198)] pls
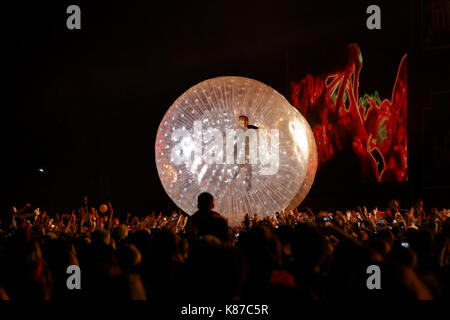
[(366, 127)]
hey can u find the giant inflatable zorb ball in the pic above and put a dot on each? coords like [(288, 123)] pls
[(204, 144)]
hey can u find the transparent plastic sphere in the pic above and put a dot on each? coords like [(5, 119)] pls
[(239, 140)]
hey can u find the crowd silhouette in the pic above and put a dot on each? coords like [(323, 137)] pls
[(288, 256)]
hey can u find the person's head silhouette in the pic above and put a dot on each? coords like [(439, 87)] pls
[(205, 201)]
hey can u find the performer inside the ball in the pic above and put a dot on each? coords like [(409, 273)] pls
[(247, 167), (243, 120)]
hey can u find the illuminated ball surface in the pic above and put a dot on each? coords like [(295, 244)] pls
[(204, 145)]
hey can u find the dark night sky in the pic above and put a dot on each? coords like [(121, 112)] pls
[(87, 104)]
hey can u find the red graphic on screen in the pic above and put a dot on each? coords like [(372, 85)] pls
[(375, 128)]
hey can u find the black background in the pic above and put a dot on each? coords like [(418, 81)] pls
[(85, 104)]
